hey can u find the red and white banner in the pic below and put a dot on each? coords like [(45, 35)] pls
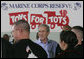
[(53, 13)]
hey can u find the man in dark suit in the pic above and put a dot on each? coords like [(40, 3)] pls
[(78, 30), (21, 34)]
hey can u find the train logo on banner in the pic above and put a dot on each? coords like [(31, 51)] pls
[(51, 19)]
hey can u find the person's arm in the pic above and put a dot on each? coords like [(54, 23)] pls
[(37, 49)]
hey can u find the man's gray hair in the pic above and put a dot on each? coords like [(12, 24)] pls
[(78, 29), (47, 27), (22, 24)]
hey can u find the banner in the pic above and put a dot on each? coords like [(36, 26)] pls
[(56, 14)]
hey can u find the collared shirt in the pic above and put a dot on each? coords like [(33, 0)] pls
[(49, 47)]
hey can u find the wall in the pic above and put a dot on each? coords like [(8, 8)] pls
[(53, 36), (53, 13)]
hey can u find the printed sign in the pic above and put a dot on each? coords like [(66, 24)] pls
[(18, 16), (56, 14)]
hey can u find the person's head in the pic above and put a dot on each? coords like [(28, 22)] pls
[(78, 30), (6, 36), (66, 28), (21, 30), (43, 31), (68, 39)]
